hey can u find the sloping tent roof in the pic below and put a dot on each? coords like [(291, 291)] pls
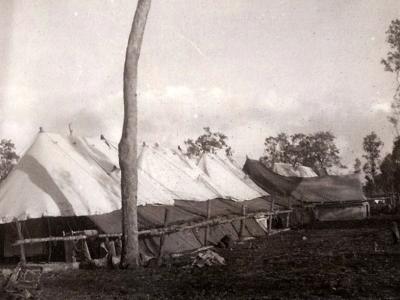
[(273, 183), (182, 181), (150, 190), (288, 170), (229, 183), (67, 176), (165, 168), (313, 190)]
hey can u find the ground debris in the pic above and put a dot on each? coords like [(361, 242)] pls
[(24, 282), (207, 258), (337, 261)]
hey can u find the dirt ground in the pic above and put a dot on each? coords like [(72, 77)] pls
[(336, 260)]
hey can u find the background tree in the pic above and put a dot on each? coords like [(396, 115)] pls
[(388, 180), (357, 166), (392, 170), (372, 145), (8, 158), (392, 64), (323, 154), (208, 142), (277, 149), (385, 180), (317, 151), (128, 143)]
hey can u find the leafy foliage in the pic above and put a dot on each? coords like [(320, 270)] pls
[(8, 157), (388, 169), (372, 146), (392, 64), (357, 166), (389, 179), (208, 142), (317, 151)]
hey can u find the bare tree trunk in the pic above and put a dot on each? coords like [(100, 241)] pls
[(128, 143)]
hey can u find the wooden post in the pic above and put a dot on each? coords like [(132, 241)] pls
[(288, 214), (162, 237), (49, 243), (391, 199), (243, 222), (207, 231), (270, 217), (86, 252), (21, 247), (111, 248), (270, 224)]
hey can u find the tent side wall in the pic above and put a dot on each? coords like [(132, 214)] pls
[(41, 228), (342, 213)]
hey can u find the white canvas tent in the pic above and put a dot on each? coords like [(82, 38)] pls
[(230, 185), (288, 170), (181, 180), (68, 176), (62, 179)]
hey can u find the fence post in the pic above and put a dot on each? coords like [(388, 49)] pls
[(243, 222), (270, 217), (207, 231), (162, 237), (21, 247)]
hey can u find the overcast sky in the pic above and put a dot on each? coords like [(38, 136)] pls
[(247, 68)]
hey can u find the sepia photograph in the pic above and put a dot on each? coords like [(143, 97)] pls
[(199, 149)]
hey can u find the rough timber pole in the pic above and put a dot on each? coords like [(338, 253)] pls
[(128, 143), (162, 239), (270, 217), (243, 222), (22, 247), (207, 229)]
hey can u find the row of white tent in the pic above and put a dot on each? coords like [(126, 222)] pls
[(62, 176)]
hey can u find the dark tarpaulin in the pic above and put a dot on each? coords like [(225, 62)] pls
[(345, 188)]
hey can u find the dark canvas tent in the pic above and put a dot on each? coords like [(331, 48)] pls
[(323, 198)]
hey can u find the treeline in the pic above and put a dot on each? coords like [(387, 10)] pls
[(317, 151), (8, 157)]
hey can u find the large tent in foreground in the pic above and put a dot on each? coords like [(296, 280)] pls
[(323, 198), (67, 183)]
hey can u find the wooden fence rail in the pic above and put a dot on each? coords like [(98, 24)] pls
[(157, 231)]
